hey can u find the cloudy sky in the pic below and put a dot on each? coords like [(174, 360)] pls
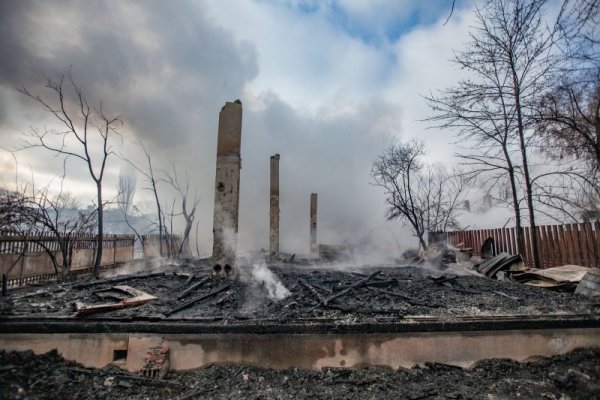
[(327, 84)]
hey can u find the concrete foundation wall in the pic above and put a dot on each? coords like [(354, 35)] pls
[(310, 351)]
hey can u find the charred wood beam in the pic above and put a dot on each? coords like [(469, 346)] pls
[(115, 280), (224, 299), (314, 291), (360, 283), (323, 288), (193, 287), (365, 275), (507, 296), (406, 298), (197, 299), (379, 283), (41, 293)]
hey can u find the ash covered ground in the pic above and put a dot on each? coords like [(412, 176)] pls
[(575, 375), (297, 292)]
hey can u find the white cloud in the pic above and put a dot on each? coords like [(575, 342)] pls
[(313, 90)]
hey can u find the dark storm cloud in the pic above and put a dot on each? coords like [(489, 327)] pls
[(151, 62)]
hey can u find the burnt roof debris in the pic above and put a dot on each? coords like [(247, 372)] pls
[(501, 262), (311, 293)]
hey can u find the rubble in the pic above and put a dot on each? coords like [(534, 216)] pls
[(317, 293), (573, 375), (590, 284), (508, 268), (367, 296), (501, 262), (156, 361), (564, 277)]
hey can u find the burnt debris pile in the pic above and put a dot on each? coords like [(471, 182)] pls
[(290, 293), (572, 375)]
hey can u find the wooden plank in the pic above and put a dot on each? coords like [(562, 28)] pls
[(552, 261), (581, 243), (497, 240), (585, 262), (514, 249), (541, 239), (564, 255), (548, 246), (472, 242), (527, 255), (589, 244), (566, 243), (597, 234), (573, 235), (555, 256), (500, 243), (557, 245)]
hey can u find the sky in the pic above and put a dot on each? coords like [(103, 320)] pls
[(326, 84)]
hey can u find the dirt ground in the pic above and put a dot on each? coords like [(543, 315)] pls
[(575, 375)]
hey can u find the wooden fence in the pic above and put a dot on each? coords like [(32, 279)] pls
[(171, 245), (557, 244), (24, 258)]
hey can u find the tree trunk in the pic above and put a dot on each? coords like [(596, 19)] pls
[(185, 245), (160, 225), (100, 237), (528, 188), (422, 241), (513, 187)]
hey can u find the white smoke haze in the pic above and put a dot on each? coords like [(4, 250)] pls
[(148, 265), (261, 274), (328, 101)]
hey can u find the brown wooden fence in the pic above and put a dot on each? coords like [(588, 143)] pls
[(557, 244)]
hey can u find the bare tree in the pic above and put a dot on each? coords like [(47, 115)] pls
[(35, 216), (188, 206), (152, 180), (569, 112), (510, 53), (85, 130), (126, 187), (427, 198), (480, 113)]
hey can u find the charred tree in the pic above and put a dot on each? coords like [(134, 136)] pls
[(84, 131)]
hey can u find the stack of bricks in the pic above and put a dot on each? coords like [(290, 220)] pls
[(156, 361)]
